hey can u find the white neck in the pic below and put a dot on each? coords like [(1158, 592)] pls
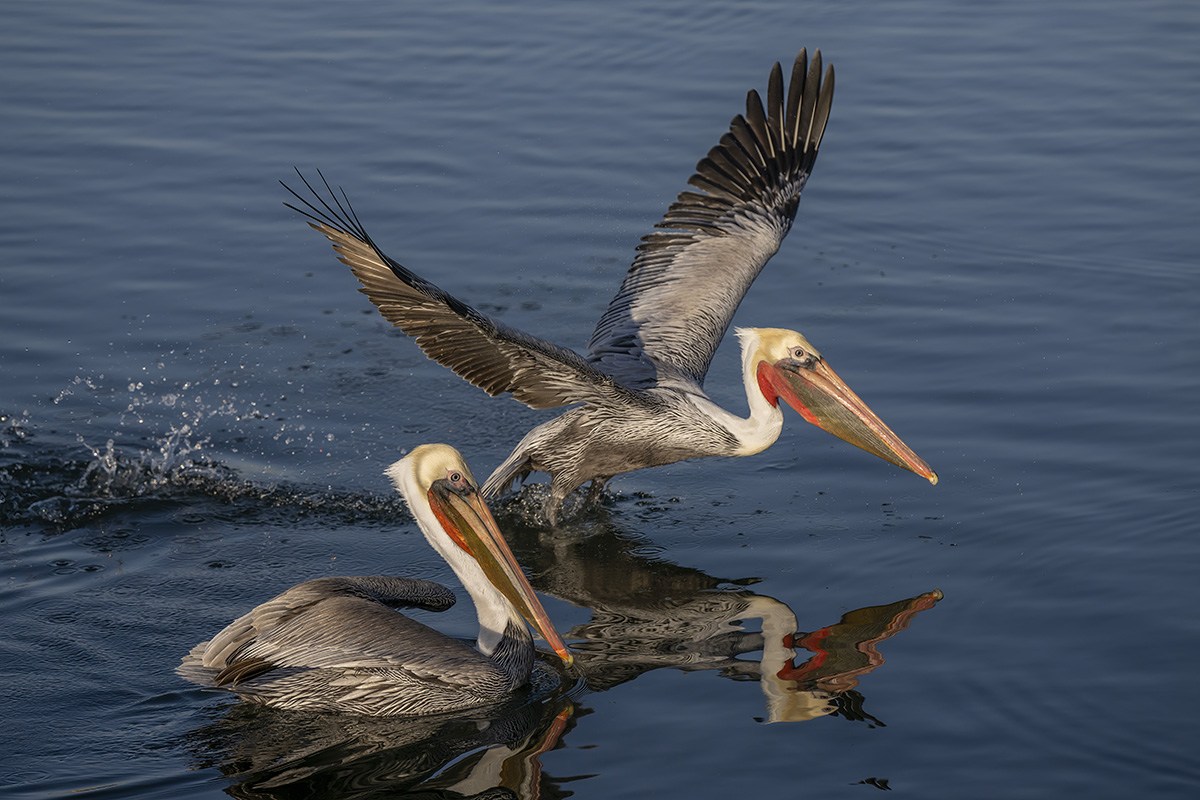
[(493, 609), (758, 431)]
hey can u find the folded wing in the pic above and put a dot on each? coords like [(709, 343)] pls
[(345, 623)]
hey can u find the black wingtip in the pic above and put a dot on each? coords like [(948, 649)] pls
[(343, 217)]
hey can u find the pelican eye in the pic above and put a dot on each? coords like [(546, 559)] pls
[(458, 480), (799, 354)]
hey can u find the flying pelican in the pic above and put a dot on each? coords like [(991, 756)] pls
[(335, 644), (639, 391)]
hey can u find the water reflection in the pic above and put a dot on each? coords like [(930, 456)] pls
[(272, 753), (649, 613)]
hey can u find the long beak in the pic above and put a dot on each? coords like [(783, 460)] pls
[(466, 518), (824, 399)]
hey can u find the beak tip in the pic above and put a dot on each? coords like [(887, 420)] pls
[(933, 478)]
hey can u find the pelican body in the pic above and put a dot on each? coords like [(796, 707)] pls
[(338, 644), (639, 390)]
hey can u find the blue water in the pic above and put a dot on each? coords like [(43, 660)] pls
[(996, 250)]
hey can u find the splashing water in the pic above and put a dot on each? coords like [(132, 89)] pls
[(64, 481), (13, 428)]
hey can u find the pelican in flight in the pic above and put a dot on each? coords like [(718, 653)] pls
[(638, 392), (336, 644)]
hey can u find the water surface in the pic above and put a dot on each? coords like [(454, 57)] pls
[(996, 251)]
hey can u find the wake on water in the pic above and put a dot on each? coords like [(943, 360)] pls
[(101, 449)]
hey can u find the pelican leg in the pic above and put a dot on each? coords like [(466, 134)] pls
[(596, 489), (561, 487)]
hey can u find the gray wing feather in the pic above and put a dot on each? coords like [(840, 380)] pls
[(486, 352), (345, 623), (686, 282)]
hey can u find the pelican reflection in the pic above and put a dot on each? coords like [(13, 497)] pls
[(281, 753), (649, 613), (646, 613)]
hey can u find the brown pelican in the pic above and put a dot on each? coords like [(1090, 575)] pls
[(335, 644), (640, 388)]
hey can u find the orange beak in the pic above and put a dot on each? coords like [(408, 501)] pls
[(816, 392), (466, 518)]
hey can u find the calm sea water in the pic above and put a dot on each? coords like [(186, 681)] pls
[(997, 250)]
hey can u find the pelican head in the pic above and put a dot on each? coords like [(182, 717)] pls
[(787, 366), (444, 498)]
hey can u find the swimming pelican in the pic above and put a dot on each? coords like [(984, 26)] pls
[(335, 644), (641, 384)]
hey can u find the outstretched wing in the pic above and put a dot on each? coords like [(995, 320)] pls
[(484, 351), (686, 281)]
